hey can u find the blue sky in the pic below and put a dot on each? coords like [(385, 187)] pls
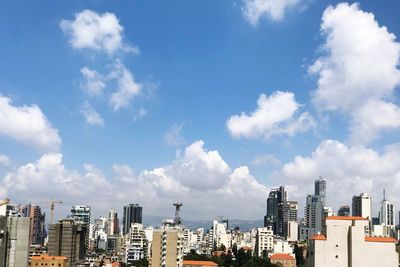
[(197, 65)]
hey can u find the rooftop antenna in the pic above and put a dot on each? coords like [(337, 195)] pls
[(384, 194), (177, 219)]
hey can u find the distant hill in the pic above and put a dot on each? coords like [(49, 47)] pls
[(244, 225)]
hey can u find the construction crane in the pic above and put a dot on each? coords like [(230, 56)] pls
[(52, 205)]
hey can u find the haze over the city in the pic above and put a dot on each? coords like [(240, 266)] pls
[(210, 103)]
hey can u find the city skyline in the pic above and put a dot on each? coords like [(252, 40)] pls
[(212, 104)]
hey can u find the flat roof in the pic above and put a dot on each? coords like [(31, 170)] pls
[(346, 218)]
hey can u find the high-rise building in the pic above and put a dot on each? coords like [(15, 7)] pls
[(37, 228), (68, 238), (264, 241), (113, 224), (386, 213), (136, 246), (14, 241), (81, 213), (320, 189), (314, 210), (344, 211), (167, 247), (290, 210), (132, 214), (276, 202), (362, 206)]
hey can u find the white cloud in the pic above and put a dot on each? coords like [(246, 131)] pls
[(91, 116), (100, 32), (275, 115), (360, 67), (140, 114), (254, 10), (27, 124), (267, 159), (348, 170), (92, 83), (174, 137), (4, 160), (127, 87), (198, 176)]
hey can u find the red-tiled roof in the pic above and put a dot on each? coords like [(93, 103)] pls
[(318, 237), (346, 218), (281, 256), (380, 239), (199, 263)]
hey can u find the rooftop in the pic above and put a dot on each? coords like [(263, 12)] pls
[(199, 263), (380, 239), (281, 256), (346, 218), (318, 237)]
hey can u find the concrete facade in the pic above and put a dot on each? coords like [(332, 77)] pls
[(264, 240), (68, 238), (167, 248), (345, 242)]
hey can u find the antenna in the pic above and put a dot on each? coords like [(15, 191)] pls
[(177, 219), (384, 194)]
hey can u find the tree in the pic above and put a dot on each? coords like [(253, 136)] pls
[(298, 251)]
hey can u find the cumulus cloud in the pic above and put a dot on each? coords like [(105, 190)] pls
[(92, 82), (359, 69), (349, 171), (27, 124), (4, 161), (254, 10), (92, 117), (197, 176), (99, 32), (275, 115), (127, 87)]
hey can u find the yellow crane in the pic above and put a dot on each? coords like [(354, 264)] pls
[(52, 205)]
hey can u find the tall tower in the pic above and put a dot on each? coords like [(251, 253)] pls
[(362, 206), (320, 189), (132, 214), (276, 202), (177, 219), (386, 214)]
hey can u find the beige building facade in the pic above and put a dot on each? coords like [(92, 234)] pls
[(345, 242), (167, 248)]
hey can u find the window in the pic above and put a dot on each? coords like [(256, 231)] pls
[(336, 256)]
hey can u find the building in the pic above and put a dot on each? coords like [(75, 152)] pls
[(290, 210), (387, 213), (264, 241), (113, 223), (167, 247), (132, 214), (362, 206), (283, 259), (50, 261), (345, 242), (14, 241), (37, 228), (274, 217), (68, 238), (190, 263), (136, 246), (293, 231), (344, 211), (81, 213), (314, 210)]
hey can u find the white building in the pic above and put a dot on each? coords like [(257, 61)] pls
[(362, 206), (344, 242), (136, 245), (293, 231), (265, 240)]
